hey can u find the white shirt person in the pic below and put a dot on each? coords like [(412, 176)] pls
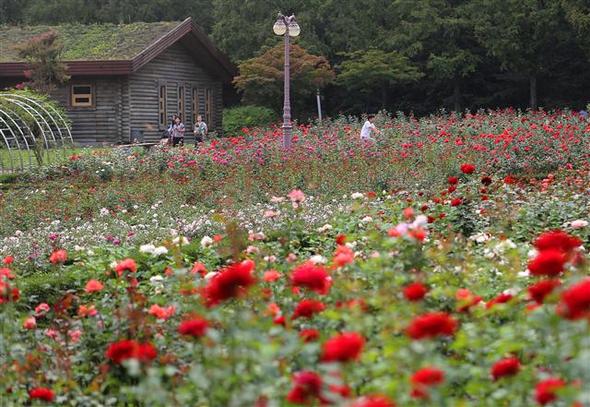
[(368, 129)]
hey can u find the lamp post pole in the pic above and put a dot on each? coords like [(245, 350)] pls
[(287, 27), (287, 127)]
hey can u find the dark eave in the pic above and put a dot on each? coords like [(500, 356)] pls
[(187, 33)]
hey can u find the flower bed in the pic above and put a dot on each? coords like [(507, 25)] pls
[(468, 288)]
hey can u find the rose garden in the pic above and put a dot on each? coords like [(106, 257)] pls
[(445, 265)]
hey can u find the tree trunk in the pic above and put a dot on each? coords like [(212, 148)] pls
[(457, 96), (533, 89)]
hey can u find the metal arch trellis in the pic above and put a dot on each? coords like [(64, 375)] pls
[(8, 142), (52, 115), (21, 130), (42, 125), (16, 114)]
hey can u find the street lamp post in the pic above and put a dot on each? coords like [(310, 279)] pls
[(287, 27)]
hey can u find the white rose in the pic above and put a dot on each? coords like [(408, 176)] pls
[(579, 224), (147, 248), (318, 259), (180, 240), (206, 241), (160, 250)]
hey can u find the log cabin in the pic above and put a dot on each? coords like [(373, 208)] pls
[(128, 80)]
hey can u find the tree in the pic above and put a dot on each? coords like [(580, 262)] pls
[(577, 13), (374, 72), (241, 29), (261, 78), (11, 11), (438, 34), (43, 54), (524, 35)]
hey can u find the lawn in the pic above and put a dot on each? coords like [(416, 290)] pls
[(444, 265), (26, 159)]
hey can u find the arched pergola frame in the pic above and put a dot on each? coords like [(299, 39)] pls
[(30, 126)]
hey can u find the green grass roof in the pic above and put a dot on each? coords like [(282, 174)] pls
[(88, 42)]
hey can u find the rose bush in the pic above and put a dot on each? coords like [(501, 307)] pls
[(289, 290)]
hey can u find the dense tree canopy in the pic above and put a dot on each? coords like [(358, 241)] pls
[(462, 54), (261, 78)]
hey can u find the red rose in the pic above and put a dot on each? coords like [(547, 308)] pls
[(126, 265), (548, 263), (453, 180), (466, 299), (343, 256), (271, 276), (146, 352), (432, 325), (313, 277), (340, 239), (194, 327), (93, 286), (130, 349), (425, 378), (415, 291), (557, 240), (456, 202), (509, 180), (6, 273), (309, 335), (307, 387), (545, 390), (122, 350), (428, 376), (230, 282), (307, 308), (500, 299), (58, 257), (467, 168), (373, 401), (505, 367), (542, 289), (343, 348), (8, 293), (451, 189), (41, 393), (575, 301), (8, 260)]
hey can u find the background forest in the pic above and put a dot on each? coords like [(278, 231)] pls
[(408, 55)]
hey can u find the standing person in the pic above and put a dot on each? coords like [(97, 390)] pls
[(177, 134), (368, 129), (200, 131)]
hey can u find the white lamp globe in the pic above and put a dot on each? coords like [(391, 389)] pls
[(280, 28), (294, 29)]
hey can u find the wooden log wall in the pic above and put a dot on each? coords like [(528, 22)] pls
[(174, 68), (106, 122)]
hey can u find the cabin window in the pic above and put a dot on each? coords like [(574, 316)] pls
[(209, 107), (82, 96), (196, 105), (162, 106), (181, 104)]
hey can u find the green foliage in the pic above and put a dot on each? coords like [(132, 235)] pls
[(236, 118), (43, 54), (88, 42), (375, 71), (472, 53), (261, 78)]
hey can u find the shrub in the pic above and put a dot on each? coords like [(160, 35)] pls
[(236, 118)]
